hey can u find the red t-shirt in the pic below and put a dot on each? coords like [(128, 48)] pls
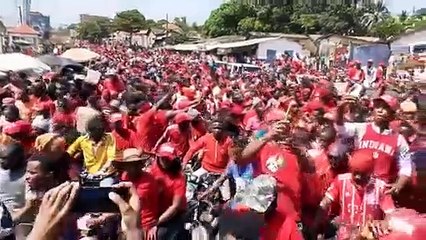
[(169, 187), (114, 87), (358, 205), (147, 189), (149, 128), (178, 139), (126, 139), (215, 154), (67, 119), (282, 163), (197, 131)]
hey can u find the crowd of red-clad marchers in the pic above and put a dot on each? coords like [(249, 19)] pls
[(344, 163)]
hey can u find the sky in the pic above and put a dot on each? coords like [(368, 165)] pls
[(67, 11)]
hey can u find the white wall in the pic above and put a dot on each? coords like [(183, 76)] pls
[(280, 45)]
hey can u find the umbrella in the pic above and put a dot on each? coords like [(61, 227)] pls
[(80, 54), (19, 62), (56, 61)]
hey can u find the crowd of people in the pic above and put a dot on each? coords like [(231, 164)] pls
[(340, 161)]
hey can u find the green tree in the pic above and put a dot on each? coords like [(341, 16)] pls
[(308, 22), (182, 23), (375, 14), (150, 23), (281, 19), (225, 19), (90, 31), (388, 29), (404, 16), (130, 21), (72, 26), (246, 25), (105, 24), (341, 20)]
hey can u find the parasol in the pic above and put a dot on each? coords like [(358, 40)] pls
[(57, 61), (80, 54), (19, 62)]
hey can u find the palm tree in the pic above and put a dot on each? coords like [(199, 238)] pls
[(376, 13), (403, 16)]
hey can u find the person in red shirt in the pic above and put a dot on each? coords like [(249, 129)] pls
[(198, 126), (393, 163), (362, 197), (131, 165), (178, 134), (63, 114), (280, 161), (215, 147), (151, 124), (40, 97), (124, 138), (113, 85), (167, 170)]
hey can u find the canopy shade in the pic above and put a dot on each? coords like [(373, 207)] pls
[(19, 62), (80, 55), (57, 61)]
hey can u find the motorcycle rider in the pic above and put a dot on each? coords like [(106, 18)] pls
[(356, 78), (215, 146), (167, 170), (370, 74)]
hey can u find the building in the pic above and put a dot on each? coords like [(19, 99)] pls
[(90, 18), (24, 8), (23, 34), (40, 23), (3, 32)]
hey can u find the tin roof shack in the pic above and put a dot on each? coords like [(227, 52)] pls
[(246, 47), (271, 49), (327, 44), (23, 33), (306, 41)]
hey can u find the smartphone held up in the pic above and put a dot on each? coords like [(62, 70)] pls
[(96, 199)]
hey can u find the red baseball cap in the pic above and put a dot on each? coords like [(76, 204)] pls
[(362, 161), (166, 150), (182, 117)]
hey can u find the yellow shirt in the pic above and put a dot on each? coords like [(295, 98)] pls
[(95, 155)]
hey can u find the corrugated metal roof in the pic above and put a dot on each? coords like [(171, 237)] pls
[(23, 29), (366, 39), (244, 43), (211, 46)]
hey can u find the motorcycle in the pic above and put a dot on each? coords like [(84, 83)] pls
[(204, 205)]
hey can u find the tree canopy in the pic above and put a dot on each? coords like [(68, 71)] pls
[(131, 21), (95, 30), (372, 20)]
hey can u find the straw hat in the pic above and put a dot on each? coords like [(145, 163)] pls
[(132, 155)]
